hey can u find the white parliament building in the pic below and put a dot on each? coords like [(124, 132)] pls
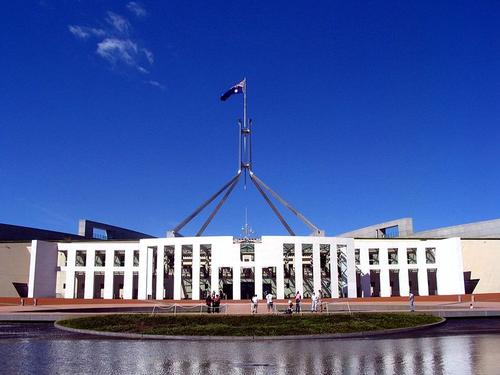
[(187, 268), (382, 260)]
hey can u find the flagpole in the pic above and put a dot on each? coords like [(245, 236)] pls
[(245, 126), (239, 146), (245, 102)]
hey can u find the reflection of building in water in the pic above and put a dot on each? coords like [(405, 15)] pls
[(192, 266)]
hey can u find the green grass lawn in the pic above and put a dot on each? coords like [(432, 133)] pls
[(259, 325)]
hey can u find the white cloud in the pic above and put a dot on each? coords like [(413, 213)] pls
[(120, 23), (149, 55), (156, 84), (116, 45), (84, 32), (137, 9), (118, 50)]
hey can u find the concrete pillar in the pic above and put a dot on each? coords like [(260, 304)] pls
[(214, 277), (351, 269), (423, 285), (196, 272), (143, 272), (280, 281), (237, 282), (70, 274), (404, 282), (385, 284), (160, 272), (149, 274), (108, 274), (258, 281), (128, 274), (89, 275)]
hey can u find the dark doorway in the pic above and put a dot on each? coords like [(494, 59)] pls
[(375, 283), (226, 282), (98, 285), (79, 290), (359, 290), (227, 289), (247, 289), (413, 281), (432, 282), (118, 285), (269, 281), (394, 282), (168, 272), (135, 285)]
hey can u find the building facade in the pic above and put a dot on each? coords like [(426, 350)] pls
[(190, 267)]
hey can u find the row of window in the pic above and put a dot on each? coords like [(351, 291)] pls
[(247, 254), (392, 256), (99, 258)]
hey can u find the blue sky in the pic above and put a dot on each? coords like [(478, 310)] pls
[(363, 112)]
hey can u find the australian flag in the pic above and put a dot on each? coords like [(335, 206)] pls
[(236, 89)]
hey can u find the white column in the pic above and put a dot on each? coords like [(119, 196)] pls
[(70, 274), (316, 268), (196, 272), (177, 271), (423, 285), (237, 280), (89, 275), (404, 282), (334, 271), (385, 284), (351, 269), (143, 272), (128, 274), (258, 281), (108, 274), (214, 277), (160, 272), (280, 280), (149, 277)]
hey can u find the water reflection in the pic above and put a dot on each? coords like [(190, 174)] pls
[(467, 354)]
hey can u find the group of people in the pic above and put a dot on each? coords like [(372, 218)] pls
[(213, 303), (269, 302), (316, 303)]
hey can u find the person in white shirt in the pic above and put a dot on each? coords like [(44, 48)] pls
[(314, 302), (269, 300), (254, 304)]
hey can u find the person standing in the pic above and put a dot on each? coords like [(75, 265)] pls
[(298, 299), (216, 303), (320, 301), (269, 300), (411, 301), (314, 302), (254, 304), (208, 302)]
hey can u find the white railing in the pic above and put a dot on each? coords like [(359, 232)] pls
[(337, 307), (182, 309)]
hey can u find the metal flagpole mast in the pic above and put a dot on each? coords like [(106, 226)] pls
[(244, 130), (245, 166)]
